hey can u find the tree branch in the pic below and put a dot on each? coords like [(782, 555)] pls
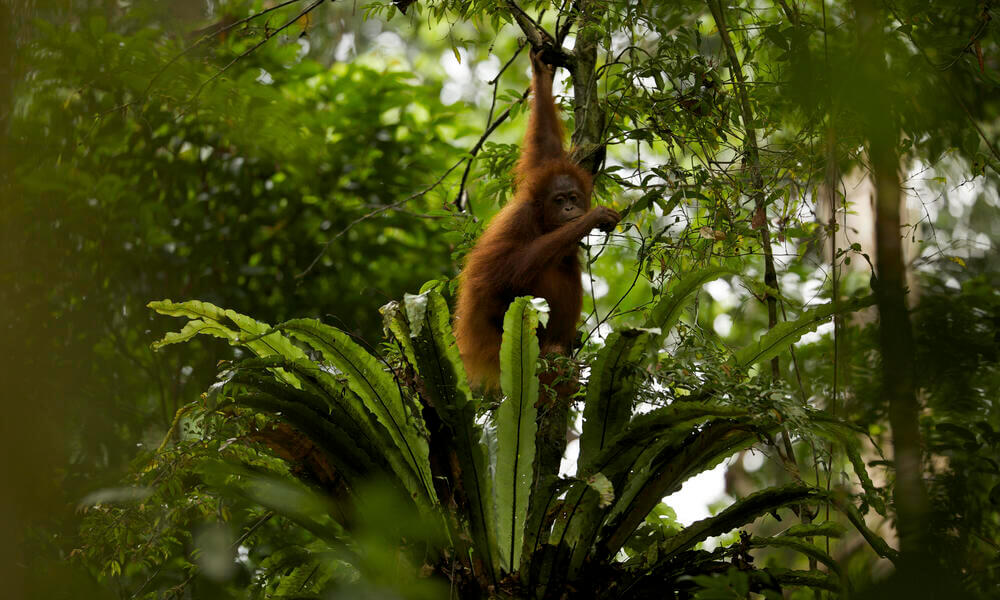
[(491, 126), (541, 40), (211, 33), (376, 212), (895, 330), (753, 161), (588, 144), (251, 49)]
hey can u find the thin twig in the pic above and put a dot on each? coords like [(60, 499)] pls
[(535, 33), (251, 49), (236, 544), (635, 280), (482, 140), (495, 82), (541, 39), (210, 35), (374, 213)]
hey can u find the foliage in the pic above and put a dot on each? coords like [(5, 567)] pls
[(341, 402), (156, 150)]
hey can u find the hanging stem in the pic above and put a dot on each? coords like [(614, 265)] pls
[(751, 158)]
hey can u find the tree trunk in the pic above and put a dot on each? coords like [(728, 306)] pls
[(895, 332)]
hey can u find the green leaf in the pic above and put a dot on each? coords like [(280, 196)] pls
[(847, 438), (831, 529), (664, 466), (516, 427), (436, 354), (874, 540), (439, 364), (196, 327), (381, 396), (631, 460), (669, 422), (338, 444), (297, 502), (322, 393), (611, 390), (614, 374), (667, 310), (787, 333), (209, 319), (800, 546), (739, 514), (293, 584), (813, 579)]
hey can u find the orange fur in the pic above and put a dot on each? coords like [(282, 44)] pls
[(525, 250)]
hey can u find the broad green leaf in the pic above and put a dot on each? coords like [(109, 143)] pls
[(611, 390), (787, 333), (328, 396), (612, 385), (661, 470), (831, 529), (380, 394), (259, 337), (668, 309), (209, 319), (847, 440), (440, 366), (516, 427), (739, 514), (290, 497), (550, 447), (877, 543), (436, 352), (294, 583), (295, 370), (801, 546), (817, 580), (335, 441), (669, 421), (196, 327), (629, 461)]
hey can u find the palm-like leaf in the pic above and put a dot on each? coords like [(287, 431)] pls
[(381, 396), (783, 335), (515, 421), (430, 344)]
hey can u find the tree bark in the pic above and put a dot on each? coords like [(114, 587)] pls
[(588, 145), (895, 331)]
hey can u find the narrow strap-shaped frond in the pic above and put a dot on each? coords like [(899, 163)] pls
[(739, 514), (668, 309), (611, 390), (431, 345), (663, 474), (515, 421), (318, 406), (380, 394), (208, 319), (355, 464), (627, 462), (811, 550), (784, 334)]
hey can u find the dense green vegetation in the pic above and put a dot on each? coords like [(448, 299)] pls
[(806, 271)]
